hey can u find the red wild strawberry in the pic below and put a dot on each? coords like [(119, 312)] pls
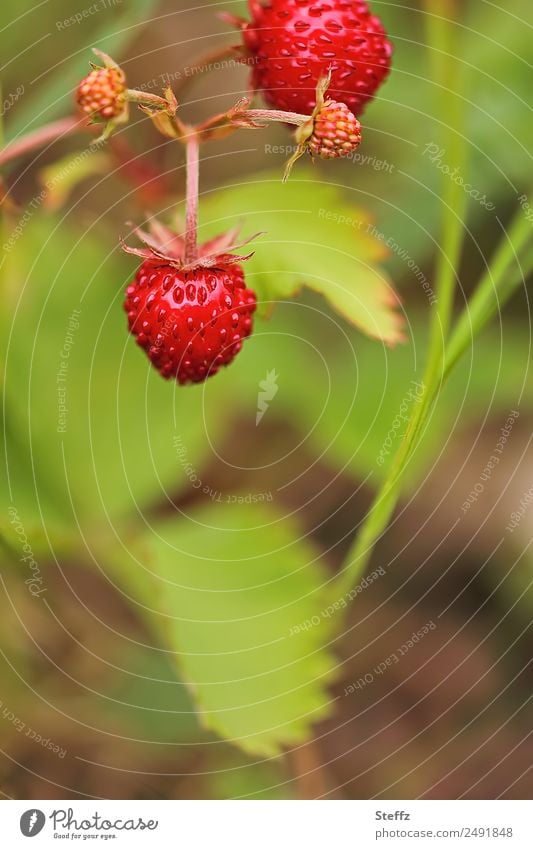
[(294, 42), (190, 319)]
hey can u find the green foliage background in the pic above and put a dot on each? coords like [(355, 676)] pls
[(220, 587)]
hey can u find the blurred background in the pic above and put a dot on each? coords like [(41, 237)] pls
[(121, 493)]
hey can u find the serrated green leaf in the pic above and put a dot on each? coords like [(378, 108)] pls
[(233, 586), (315, 237)]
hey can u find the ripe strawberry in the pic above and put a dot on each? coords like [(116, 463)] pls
[(294, 42), (191, 320), (101, 94)]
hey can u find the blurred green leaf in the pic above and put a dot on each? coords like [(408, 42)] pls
[(52, 90), (148, 699), (343, 393), (31, 509), (230, 583), (63, 176), (233, 777), (367, 435), (28, 516), (111, 450), (314, 238)]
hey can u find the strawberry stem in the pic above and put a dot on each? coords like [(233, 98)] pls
[(146, 98), (277, 115), (193, 178)]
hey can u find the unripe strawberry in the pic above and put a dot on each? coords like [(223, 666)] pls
[(330, 132), (102, 93), (336, 132)]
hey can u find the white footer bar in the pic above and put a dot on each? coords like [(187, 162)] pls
[(267, 825)]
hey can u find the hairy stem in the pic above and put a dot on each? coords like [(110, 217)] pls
[(146, 98), (193, 178), (39, 138), (276, 115), (441, 38)]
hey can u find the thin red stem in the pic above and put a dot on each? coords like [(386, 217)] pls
[(193, 179), (41, 137)]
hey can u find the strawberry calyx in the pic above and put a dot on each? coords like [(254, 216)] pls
[(162, 244)]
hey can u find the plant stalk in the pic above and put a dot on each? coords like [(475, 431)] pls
[(493, 290), (193, 184), (445, 73), (276, 115), (145, 98), (44, 135)]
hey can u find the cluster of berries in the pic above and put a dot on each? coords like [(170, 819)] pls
[(317, 63)]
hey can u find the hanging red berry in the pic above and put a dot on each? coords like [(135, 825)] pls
[(191, 319), (294, 42)]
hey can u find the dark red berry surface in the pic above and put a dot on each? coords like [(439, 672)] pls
[(190, 322), (294, 42)]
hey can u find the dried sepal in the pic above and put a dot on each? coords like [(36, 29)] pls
[(107, 60), (160, 243), (162, 111)]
